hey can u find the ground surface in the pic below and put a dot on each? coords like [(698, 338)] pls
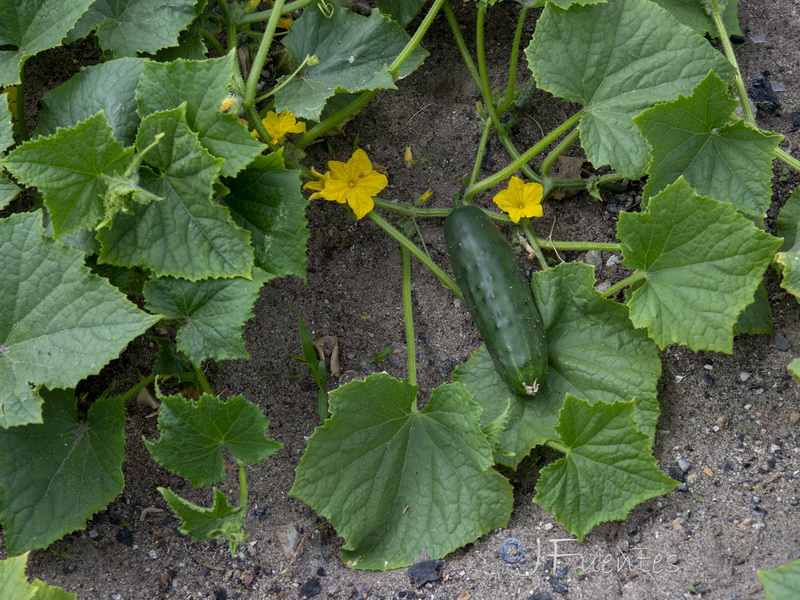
[(729, 416)]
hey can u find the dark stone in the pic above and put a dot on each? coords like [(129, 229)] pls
[(708, 380), (221, 594), (125, 536), (539, 596), (425, 572), (676, 473), (310, 588), (737, 39), (558, 587), (781, 343), (562, 571), (321, 572), (763, 95)]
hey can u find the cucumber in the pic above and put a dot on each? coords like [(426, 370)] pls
[(498, 298)]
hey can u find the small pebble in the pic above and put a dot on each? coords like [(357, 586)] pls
[(708, 380), (152, 554), (744, 376), (756, 499), (708, 367), (684, 464), (676, 474), (93, 533), (539, 596), (558, 587), (613, 260), (794, 418), (602, 286), (708, 472), (794, 501), (781, 343), (774, 448)]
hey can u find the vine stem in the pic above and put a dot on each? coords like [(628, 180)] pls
[(557, 446), (534, 242), (242, 485), (261, 55), (230, 26), (135, 389), (524, 158), (406, 243), (624, 283), (512, 68), (267, 14), (408, 316), (201, 379)]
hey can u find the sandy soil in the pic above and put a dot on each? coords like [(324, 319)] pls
[(729, 416)]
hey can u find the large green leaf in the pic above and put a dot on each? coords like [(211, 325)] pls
[(354, 54), (757, 317), (202, 86), (397, 482), (693, 14), (210, 313), (608, 468), (6, 127), (8, 190), (58, 322), (781, 583), (789, 256), (187, 234), (57, 474), (700, 263), (72, 170), (594, 353), (618, 59), (126, 27), (108, 87), (268, 203), (192, 436), (32, 26), (402, 11), (695, 137), (15, 586)]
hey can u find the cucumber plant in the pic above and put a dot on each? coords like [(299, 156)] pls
[(148, 180)]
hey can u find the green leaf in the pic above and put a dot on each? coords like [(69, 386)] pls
[(594, 353), (57, 474), (126, 27), (781, 583), (700, 263), (107, 87), (72, 179), (15, 585), (789, 256), (32, 26), (694, 137), (693, 14), (167, 360), (187, 234), (618, 59), (757, 317), (794, 368), (6, 127), (192, 436), (396, 482), (210, 313), (58, 322), (202, 86), (567, 3), (402, 11), (206, 523), (8, 190), (268, 203), (354, 55), (608, 468)]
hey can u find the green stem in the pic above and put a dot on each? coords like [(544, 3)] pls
[(278, 88), (741, 89), (524, 158), (408, 317), (399, 237), (557, 446), (412, 211), (512, 69), (242, 485), (415, 40), (261, 55), (212, 39), (461, 44), (788, 159), (135, 389), (201, 379), (534, 242), (580, 246), (485, 87), (230, 26), (267, 14), (548, 161), (256, 122), (476, 168), (624, 283)]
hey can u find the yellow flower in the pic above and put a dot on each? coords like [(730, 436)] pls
[(354, 182), (520, 199), (278, 125), (318, 185), (227, 104)]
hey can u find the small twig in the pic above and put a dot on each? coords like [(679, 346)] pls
[(419, 111), (550, 239)]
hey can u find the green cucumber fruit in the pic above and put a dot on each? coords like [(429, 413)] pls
[(498, 298)]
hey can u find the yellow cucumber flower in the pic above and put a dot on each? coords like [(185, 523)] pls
[(318, 184), (354, 182), (278, 125), (520, 200)]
